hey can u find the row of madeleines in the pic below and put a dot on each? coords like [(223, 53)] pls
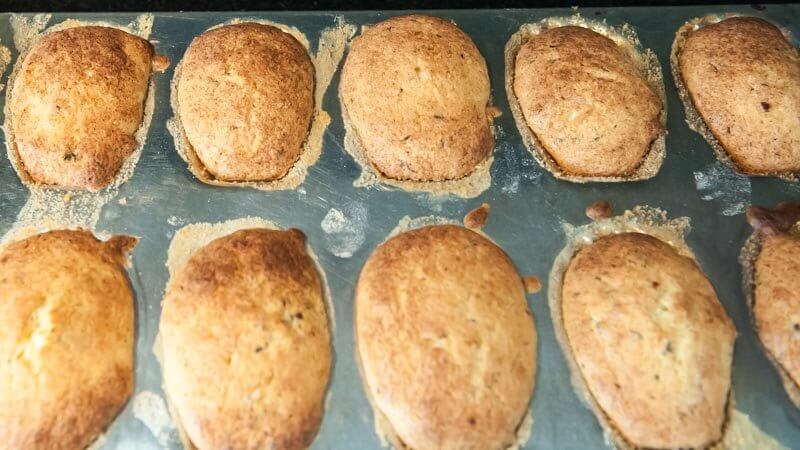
[(446, 344), (415, 93)]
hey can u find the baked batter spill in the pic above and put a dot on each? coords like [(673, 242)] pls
[(478, 217), (775, 221)]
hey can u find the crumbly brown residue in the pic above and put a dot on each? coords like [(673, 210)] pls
[(532, 284), (599, 210), (469, 186), (693, 119), (330, 50), (48, 207), (477, 218), (646, 61)]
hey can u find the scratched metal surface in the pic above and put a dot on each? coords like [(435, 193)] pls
[(528, 209)]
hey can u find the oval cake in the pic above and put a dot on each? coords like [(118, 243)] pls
[(743, 78), (776, 306), (66, 339), (76, 104), (415, 91), (446, 342), (245, 101), (650, 340), (586, 101), (245, 342)]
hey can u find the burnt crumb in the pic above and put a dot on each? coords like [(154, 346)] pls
[(69, 156), (668, 347), (656, 284), (297, 316), (532, 284), (477, 217), (796, 327), (616, 385), (765, 106), (472, 421), (259, 349), (773, 221), (599, 210), (657, 377)]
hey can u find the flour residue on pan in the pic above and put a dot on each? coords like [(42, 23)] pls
[(345, 229), (647, 63), (330, 50), (150, 409), (740, 432), (693, 119), (719, 184), (60, 208)]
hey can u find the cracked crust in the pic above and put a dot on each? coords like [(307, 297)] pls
[(246, 100), (77, 103), (416, 93), (586, 101), (743, 78), (66, 339), (446, 343), (650, 340), (245, 341)]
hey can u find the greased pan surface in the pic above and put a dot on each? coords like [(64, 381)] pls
[(528, 210)]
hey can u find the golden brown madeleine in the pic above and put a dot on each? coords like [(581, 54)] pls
[(651, 341), (743, 78), (245, 101), (76, 104), (415, 91), (245, 341), (776, 308), (66, 339), (446, 343), (586, 101)]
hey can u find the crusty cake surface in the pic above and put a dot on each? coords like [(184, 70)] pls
[(777, 300), (651, 341), (66, 339), (445, 340), (245, 101), (77, 103), (743, 78), (415, 90), (586, 101), (245, 342)]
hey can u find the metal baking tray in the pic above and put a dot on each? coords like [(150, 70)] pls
[(529, 208)]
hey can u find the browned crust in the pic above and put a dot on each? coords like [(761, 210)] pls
[(633, 258), (437, 367), (586, 101), (247, 308), (76, 104), (66, 340), (245, 101), (770, 272), (739, 80), (415, 91)]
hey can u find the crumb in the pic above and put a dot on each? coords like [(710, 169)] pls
[(67, 197), (160, 63), (493, 112), (477, 217), (532, 284), (773, 221), (123, 201), (598, 210)]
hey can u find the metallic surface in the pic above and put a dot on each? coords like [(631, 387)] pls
[(528, 209)]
